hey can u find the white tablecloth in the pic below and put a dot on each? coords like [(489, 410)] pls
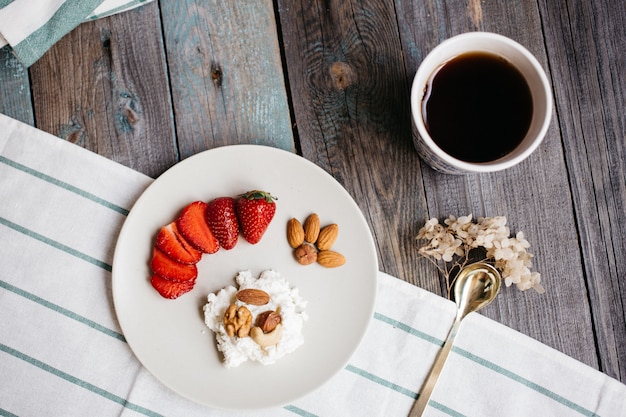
[(62, 352), (31, 27)]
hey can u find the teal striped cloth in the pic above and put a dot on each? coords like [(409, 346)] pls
[(31, 27), (62, 352)]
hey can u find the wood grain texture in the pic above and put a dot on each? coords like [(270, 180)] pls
[(534, 205), (349, 92), (586, 43), (226, 74), (15, 95), (113, 96)]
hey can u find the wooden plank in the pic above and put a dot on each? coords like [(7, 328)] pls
[(226, 74), (533, 195), (15, 97), (349, 92), (113, 96), (586, 43)]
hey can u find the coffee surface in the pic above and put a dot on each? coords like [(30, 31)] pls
[(477, 107)]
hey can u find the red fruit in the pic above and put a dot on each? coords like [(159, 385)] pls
[(174, 245), (222, 220), (170, 289), (255, 210), (168, 268), (193, 226)]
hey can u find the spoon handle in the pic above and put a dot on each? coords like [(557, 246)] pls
[(431, 380)]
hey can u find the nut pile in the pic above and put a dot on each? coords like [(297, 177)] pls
[(274, 324), (238, 320), (312, 243)]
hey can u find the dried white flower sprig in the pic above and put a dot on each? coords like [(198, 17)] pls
[(461, 240)]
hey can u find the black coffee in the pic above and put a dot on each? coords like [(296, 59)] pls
[(477, 107)]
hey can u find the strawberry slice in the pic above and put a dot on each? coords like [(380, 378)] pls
[(170, 289), (193, 226), (222, 220), (174, 245), (255, 210), (168, 268)]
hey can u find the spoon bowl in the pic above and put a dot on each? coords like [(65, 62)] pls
[(475, 286)]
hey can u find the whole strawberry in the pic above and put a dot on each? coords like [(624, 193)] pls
[(255, 210)]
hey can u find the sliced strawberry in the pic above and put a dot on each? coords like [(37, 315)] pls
[(222, 220), (174, 245), (168, 268), (193, 226), (170, 289), (255, 210)]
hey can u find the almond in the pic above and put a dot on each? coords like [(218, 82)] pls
[(327, 237), (295, 233), (253, 296), (311, 228), (268, 320), (330, 259)]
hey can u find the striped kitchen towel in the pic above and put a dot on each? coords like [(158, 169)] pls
[(62, 352), (31, 27)]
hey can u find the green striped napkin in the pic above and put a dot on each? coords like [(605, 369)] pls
[(62, 352), (31, 27)]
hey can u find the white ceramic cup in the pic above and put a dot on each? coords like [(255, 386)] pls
[(516, 55)]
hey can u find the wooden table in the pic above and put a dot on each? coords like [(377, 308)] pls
[(330, 80)]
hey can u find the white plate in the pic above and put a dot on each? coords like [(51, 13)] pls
[(169, 336)]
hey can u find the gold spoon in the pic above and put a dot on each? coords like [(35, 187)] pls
[(475, 287)]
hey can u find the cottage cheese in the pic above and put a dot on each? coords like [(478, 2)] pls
[(283, 298)]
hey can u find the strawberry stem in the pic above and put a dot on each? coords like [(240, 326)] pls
[(258, 195)]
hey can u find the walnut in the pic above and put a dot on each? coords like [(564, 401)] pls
[(237, 321)]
